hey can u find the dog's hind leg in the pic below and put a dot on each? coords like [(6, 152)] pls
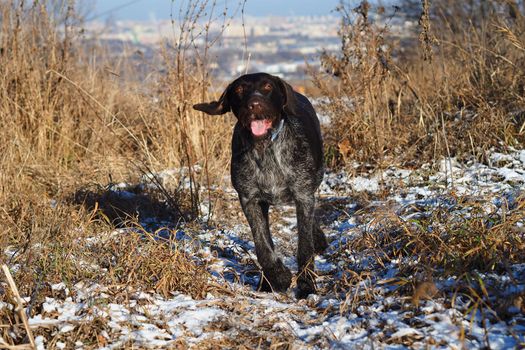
[(276, 276), (305, 249), (320, 242)]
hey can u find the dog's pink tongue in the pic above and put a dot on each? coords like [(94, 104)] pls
[(260, 127)]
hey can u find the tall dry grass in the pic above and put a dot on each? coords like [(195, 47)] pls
[(74, 118), (459, 94)]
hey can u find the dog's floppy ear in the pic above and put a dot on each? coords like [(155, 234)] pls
[(290, 100), (216, 107)]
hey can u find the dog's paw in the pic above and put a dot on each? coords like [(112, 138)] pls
[(264, 285), (305, 287), (278, 280)]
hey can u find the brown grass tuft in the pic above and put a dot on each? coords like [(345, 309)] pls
[(458, 239)]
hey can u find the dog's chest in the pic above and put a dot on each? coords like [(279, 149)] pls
[(270, 175)]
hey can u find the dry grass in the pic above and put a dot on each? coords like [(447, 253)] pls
[(69, 122), (73, 122), (453, 240), (461, 240), (461, 96)]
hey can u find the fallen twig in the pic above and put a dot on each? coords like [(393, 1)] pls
[(20, 309)]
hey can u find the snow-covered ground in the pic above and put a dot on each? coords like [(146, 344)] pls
[(359, 304)]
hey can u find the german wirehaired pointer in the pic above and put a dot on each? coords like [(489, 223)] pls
[(277, 156)]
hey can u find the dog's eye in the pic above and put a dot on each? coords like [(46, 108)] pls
[(239, 90), (267, 87)]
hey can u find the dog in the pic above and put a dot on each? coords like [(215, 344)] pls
[(277, 157)]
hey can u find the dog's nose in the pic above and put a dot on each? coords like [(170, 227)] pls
[(253, 105)]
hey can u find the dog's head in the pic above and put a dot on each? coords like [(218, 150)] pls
[(259, 101)]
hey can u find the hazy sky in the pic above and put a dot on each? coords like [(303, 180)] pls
[(160, 9)]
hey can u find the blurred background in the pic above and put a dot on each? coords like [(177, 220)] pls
[(276, 37)]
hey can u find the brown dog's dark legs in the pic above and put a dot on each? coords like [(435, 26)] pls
[(276, 276), (265, 209), (305, 249), (320, 242)]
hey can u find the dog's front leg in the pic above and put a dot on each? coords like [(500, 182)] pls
[(305, 205), (275, 275)]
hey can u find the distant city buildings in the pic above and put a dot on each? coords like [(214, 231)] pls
[(283, 46)]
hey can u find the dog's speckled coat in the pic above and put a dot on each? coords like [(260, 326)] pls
[(282, 166)]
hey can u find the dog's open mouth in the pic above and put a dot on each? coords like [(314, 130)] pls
[(260, 127)]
